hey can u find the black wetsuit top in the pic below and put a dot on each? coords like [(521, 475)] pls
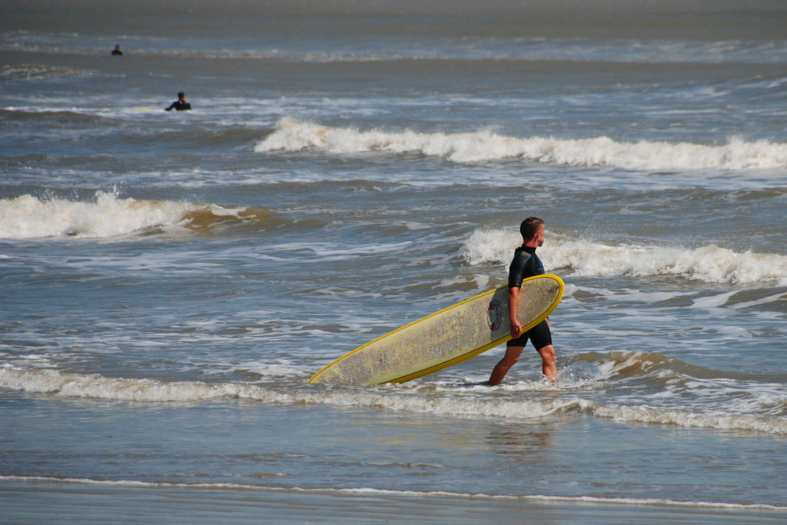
[(117, 53), (525, 264), (179, 106)]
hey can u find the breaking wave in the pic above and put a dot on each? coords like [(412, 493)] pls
[(107, 216), (623, 365), (584, 258), (93, 386), (484, 145)]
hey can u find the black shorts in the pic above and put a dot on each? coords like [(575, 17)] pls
[(539, 335)]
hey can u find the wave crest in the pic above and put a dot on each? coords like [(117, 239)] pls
[(94, 386), (485, 145), (586, 258), (107, 216)]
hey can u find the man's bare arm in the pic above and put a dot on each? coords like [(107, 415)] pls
[(513, 310)]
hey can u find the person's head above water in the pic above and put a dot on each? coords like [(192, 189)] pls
[(181, 104), (532, 230)]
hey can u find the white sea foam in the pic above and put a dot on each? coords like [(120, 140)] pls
[(586, 258), (29, 217), (275, 368), (93, 386), (646, 414), (368, 491), (485, 145)]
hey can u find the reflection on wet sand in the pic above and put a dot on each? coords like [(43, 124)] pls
[(521, 444)]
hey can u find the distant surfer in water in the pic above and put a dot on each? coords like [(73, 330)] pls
[(180, 104), (117, 52), (526, 264)]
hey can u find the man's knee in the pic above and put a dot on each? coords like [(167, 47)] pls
[(548, 354)]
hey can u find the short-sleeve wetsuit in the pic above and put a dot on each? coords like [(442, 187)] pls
[(527, 264), (179, 105)]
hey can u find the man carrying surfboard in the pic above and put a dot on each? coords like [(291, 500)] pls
[(526, 264)]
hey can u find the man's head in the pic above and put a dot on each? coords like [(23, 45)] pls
[(532, 230), (181, 95)]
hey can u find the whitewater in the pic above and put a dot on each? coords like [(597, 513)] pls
[(106, 215), (486, 145), (590, 258), (51, 382)]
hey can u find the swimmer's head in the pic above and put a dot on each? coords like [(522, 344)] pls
[(181, 94)]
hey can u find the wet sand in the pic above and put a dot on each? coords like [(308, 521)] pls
[(49, 502)]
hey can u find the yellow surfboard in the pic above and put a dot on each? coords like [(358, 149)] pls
[(445, 338)]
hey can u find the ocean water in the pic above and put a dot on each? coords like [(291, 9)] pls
[(169, 281)]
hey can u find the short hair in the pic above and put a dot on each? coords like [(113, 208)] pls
[(181, 94), (529, 227)]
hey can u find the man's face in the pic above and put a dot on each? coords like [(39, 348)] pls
[(540, 235)]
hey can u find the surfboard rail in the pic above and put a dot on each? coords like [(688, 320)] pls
[(454, 360)]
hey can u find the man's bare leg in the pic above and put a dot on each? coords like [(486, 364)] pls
[(501, 369), (548, 362)]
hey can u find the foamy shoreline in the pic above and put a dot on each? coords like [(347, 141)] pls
[(70, 500), (94, 386)]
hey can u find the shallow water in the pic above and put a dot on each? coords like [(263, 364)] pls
[(169, 281)]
